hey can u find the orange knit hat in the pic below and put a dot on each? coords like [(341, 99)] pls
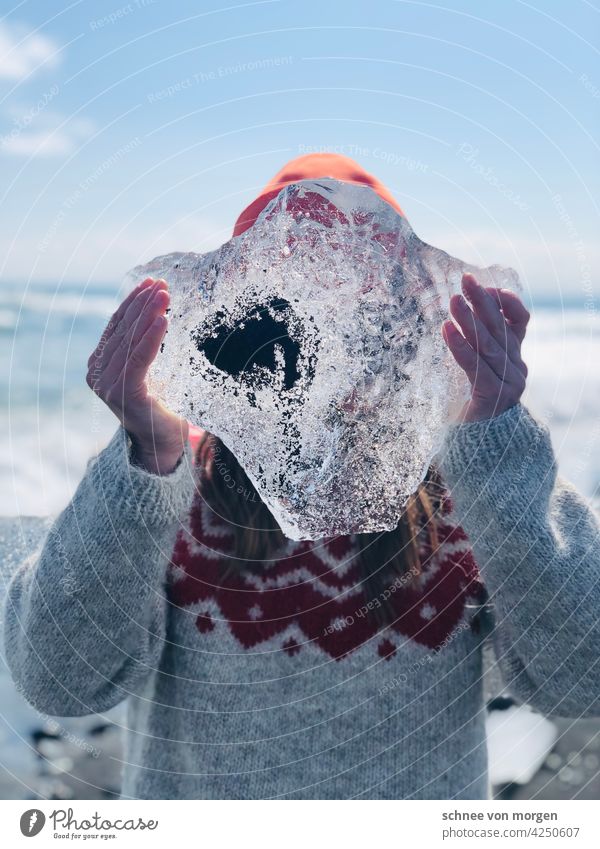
[(312, 166)]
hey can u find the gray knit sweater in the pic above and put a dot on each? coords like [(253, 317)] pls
[(90, 622)]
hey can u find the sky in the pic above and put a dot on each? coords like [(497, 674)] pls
[(133, 129)]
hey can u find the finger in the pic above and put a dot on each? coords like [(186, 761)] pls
[(476, 369), (487, 311), (117, 316), (480, 339), (477, 335), (513, 309), (138, 325), (488, 392), (157, 305), (142, 355), (121, 336), (99, 376)]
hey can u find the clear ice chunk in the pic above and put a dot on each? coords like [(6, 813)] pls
[(311, 346)]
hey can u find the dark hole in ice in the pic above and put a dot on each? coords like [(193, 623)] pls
[(235, 348)]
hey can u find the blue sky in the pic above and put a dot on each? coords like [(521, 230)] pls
[(137, 128)]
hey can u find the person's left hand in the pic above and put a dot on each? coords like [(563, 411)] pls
[(487, 346)]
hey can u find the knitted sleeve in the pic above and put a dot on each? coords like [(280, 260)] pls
[(85, 618), (538, 548)]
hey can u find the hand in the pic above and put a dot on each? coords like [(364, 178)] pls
[(487, 346), (117, 371)]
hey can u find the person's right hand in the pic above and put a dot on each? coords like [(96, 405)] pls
[(117, 371)]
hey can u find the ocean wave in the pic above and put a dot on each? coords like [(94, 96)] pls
[(18, 310)]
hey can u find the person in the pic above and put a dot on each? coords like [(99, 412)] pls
[(257, 667)]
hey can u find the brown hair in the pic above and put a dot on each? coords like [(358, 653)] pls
[(384, 557)]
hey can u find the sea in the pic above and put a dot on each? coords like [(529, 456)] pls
[(51, 423)]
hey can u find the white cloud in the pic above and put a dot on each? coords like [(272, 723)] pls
[(47, 138), (23, 51), (44, 143)]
